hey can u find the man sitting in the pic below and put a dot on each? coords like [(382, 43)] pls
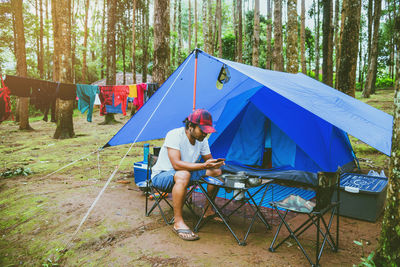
[(177, 168)]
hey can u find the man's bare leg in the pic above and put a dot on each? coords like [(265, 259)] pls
[(181, 179), (211, 189)]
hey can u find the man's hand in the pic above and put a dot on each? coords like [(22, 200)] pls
[(214, 163)]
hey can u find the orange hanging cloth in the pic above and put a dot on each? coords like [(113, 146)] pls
[(5, 107)]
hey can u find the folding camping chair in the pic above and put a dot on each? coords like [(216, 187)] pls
[(160, 196), (327, 183)]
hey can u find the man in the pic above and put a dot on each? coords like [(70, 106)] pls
[(177, 168)]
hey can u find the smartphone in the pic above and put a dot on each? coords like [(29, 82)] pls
[(219, 160)]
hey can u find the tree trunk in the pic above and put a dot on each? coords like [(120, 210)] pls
[(349, 47), (20, 54), (291, 49), (62, 47), (111, 53), (204, 26), (195, 24), (388, 252), (103, 48), (48, 60), (240, 31), (210, 31), (179, 54), (256, 33), (370, 22), (161, 41), (133, 43), (41, 48), (190, 27), (337, 32), (303, 37), (373, 58), (268, 64), (73, 40), (85, 37), (327, 43), (219, 16), (174, 32), (278, 47), (316, 20), (146, 40)]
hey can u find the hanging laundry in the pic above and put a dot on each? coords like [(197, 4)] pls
[(106, 94), (67, 91), (19, 86), (97, 100), (5, 107), (53, 89), (132, 91), (120, 96), (151, 89), (115, 109), (87, 95), (42, 94), (139, 101)]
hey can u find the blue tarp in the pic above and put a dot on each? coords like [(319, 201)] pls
[(313, 116)]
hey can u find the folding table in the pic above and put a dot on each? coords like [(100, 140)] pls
[(247, 199)]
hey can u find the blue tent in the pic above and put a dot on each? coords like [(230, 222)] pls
[(302, 121)]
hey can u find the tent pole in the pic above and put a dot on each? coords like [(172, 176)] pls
[(196, 51)]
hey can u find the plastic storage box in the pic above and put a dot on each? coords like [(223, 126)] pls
[(140, 171), (362, 196)]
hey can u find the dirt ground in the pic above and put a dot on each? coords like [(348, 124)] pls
[(39, 215)]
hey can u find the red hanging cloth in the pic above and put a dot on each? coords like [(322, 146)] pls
[(5, 107)]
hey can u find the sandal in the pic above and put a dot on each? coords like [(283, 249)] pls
[(183, 234)]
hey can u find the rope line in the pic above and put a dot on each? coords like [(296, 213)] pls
[(69, 164), (119, 165)]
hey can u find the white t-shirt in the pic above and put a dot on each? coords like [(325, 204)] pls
[(177, 139)]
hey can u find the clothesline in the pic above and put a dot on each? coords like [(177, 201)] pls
[(43, 94)]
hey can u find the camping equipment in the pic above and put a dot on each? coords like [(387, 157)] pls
[(327, 182)]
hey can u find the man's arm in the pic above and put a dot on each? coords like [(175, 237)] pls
[(178, 164)]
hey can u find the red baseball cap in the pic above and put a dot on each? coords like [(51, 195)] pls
[(202, 118)]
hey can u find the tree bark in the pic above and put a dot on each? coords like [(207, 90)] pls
[(256, 33), (370, 22), (85, 37), (133, 43), (219, 16), (174, 33), (20, 54), (278, 48), (111, 53), (161, 41), (327, 43), (291, 49), (103, 48), (316, 20), (195, 24), (204, 26), (190, 27), (48, 60), (179, 54), (240, 31), (373, 58), (303, 37), (41, 47), (388, 252), (210, 31), (268, 64), (337, 34), (349, 47), (146, 40), (62, 43)]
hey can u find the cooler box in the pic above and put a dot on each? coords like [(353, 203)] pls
[(140, 171), (362, 196)]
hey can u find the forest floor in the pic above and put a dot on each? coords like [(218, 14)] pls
[(39, 215)]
